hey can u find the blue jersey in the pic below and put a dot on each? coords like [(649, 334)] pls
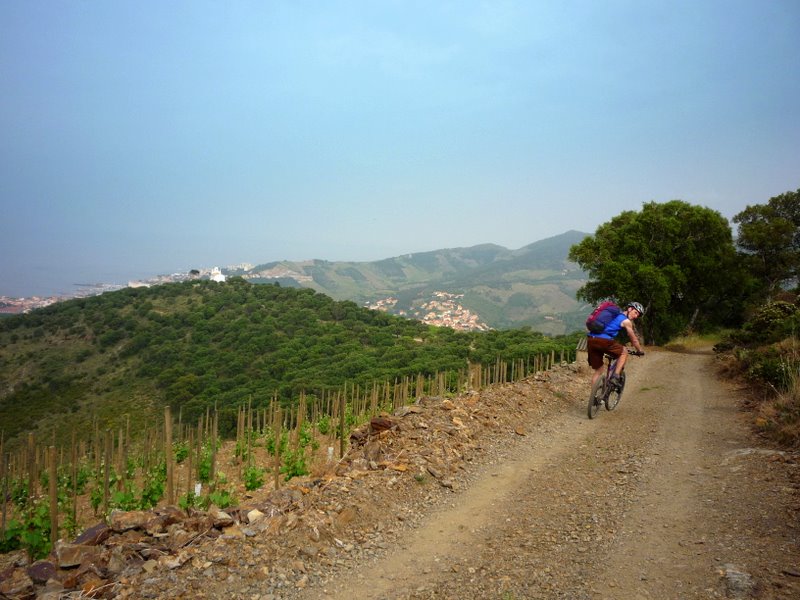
[(612, 329)]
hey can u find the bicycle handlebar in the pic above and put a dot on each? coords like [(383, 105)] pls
[(635, 352)]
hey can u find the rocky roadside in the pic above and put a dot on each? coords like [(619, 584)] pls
[(286, 543)]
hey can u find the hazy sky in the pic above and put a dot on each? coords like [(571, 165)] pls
[(150, 136)]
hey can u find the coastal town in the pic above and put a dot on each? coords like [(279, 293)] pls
[(10, 305), (441, 309), (13, 306)]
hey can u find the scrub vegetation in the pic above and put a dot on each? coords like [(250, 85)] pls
[(202, 345)]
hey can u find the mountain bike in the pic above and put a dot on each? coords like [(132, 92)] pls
[(604, 392)]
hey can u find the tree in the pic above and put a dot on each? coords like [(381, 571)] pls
[(769, 237), (677, 259)]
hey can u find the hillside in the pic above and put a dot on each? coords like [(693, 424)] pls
[(200, 344), (505, 493), (533, 286)]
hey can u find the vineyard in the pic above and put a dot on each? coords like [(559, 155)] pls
[(54, 492)]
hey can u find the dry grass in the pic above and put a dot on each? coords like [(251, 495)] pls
[(776, 412), (779, 416), (694, 343)]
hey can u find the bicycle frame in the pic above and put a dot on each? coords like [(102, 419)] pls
[(612, 366), (602, 392)]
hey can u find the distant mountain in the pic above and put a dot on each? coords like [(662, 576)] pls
[(533, 286)]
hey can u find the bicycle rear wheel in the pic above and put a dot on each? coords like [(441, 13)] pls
[(596, 396), (615, 394)]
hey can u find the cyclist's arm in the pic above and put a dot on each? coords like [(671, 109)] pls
[(628, 325)]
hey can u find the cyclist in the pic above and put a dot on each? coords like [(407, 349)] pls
[(602, 343)]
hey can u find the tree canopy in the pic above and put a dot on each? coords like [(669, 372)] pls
[(769, 236), (675, 258), (201, 344)]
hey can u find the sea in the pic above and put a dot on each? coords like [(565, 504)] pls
[(75, 281)]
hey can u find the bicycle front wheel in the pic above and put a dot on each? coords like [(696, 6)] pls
[(596, 396), (615, 394)]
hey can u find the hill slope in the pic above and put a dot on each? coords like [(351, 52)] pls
[(533, 286), (201, 344), (509, 493)]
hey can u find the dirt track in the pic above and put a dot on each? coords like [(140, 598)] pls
[(669, 496)]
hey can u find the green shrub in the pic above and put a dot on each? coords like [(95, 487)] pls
[(188, 501), (294, 464), (221, 498), (124, 500), (253, 478), (770, 368), (770, 314), (324, 424), (31, 532), (153, 489), (204, 465), (181, 450)]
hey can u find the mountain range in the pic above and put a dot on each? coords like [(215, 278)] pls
[(533, 286)]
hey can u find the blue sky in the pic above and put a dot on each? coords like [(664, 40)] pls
[(147, 137)]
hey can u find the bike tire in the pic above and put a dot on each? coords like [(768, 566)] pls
[(614, 396), (596, 396)]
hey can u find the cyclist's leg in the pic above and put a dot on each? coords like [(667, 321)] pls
[(617, 351), (597, 374), (620, 364), (595, 348)]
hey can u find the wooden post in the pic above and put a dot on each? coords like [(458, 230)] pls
[(248, 428), (276, 425), (332, 410), (239, 444), (342, 420), (96, 449), (168, 456), (214, 429), (199, 455), (374, 399), (127, 436), (53, 481), (4, 476), (31, 467), (107, 472), (301, 419), (120, 464), (189, 489), (74, 481)]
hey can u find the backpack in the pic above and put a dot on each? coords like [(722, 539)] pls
[(602, 316)]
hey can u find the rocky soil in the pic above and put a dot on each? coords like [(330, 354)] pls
[(508, 493)]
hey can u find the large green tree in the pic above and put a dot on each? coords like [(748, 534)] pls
[(677, 259), (769, 237)]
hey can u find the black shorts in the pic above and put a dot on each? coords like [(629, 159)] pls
[(597, 347)]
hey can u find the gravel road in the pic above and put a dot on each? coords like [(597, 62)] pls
[(670, 496), (512, 493)]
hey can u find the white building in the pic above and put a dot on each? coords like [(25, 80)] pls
[(216, 275)]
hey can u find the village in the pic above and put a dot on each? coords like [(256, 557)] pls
[(442, 310), (10, 305)]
